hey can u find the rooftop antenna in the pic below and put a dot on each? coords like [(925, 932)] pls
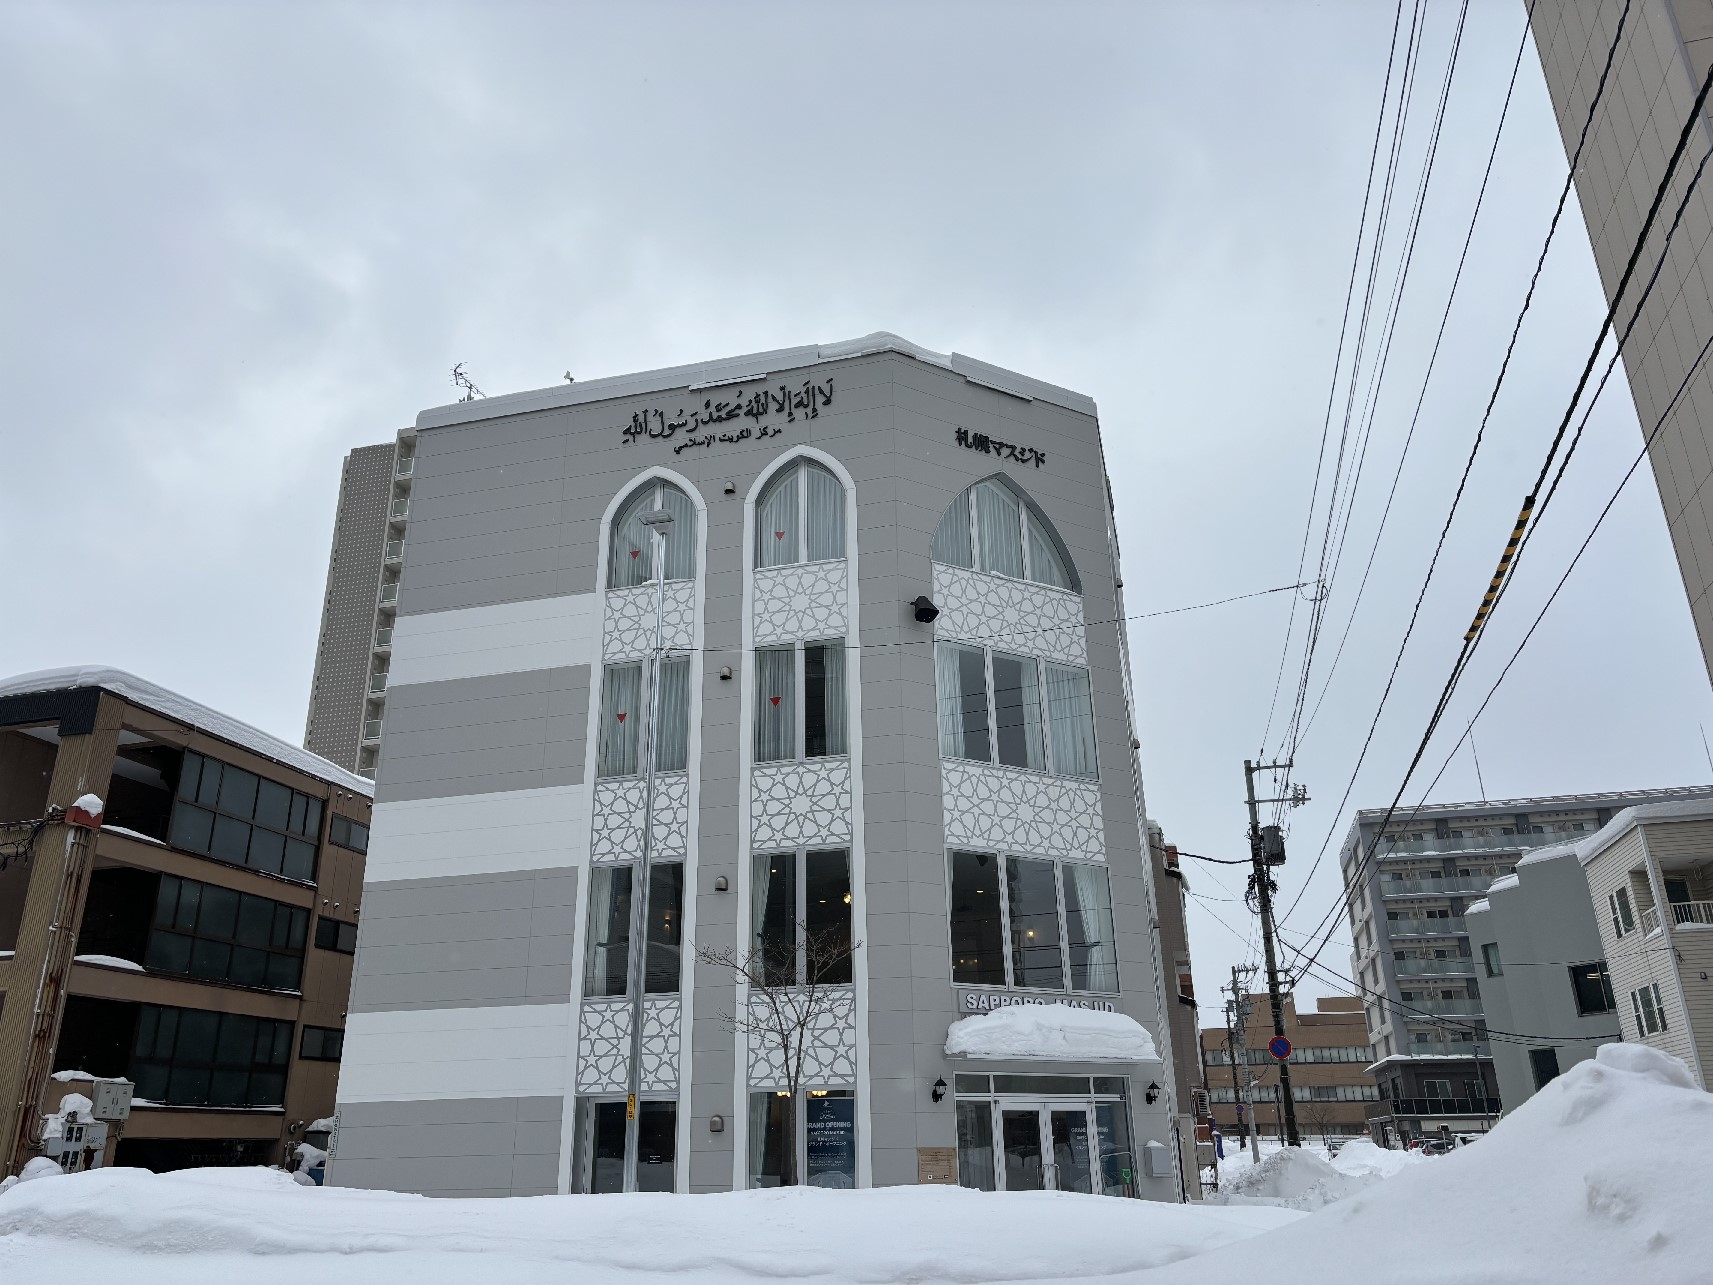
[(471, 392), (568, 378)]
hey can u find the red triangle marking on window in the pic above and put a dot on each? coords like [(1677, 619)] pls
[(774, 699), (621, 718), (779, 535), (636, 553)]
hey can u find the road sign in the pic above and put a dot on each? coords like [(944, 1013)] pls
[(1279, 1047)]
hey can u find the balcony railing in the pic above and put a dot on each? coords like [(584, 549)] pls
[(1446, 1048), (1441, 1106), (1443, 1007), (1470, 843), (1435, 887), (372, 729), (1445, 926), (1682, 912), (390, 592), (1433, 967)]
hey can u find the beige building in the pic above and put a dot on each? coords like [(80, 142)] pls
[(1650, 873), (1171, 892), (213, 912), (1662, 57), (1329, 1056)]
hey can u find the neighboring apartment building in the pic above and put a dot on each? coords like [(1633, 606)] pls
[(1542, 972), (1412, 958), (1329, 1051), (1663, 55), (348, 694), (1650, 873), (893, 711), (215, 917), (1171, 890)]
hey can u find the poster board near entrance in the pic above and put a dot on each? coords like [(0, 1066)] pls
[(937, 1166)]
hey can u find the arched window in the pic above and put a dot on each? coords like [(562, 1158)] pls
[(990, 527), (630, 552), (800, 517)]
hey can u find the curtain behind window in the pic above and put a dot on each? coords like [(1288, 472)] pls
[(999, 522), (608, 962), (1017, 711), (824, 717), (1044, 562), (962, 689), (680, 536), (775, 704), (621, 715), (825, 528), (629, 560), (1088, 928), (776, 535), (952, 536), (1072, 720), (672, 754), (773, 915)]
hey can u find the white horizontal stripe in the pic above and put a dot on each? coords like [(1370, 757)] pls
[(507, 638), (546, 829), (493, 1052)]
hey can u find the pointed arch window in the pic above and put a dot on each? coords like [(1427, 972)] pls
[(630, 550), (991, 528), (800, 517)]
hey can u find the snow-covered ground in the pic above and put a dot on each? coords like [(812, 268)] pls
[(1579, 1184)]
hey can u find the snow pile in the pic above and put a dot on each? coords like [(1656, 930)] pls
[(108, 961), (1289, 1178), (1361, 1157), (90, 803), (138, 835), (64, 1076), (261, 1227), (1601, 1176), (1056, 1031)]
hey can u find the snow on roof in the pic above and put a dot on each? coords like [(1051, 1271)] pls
[(1053, 1031), (1504, 883), (1552, 852), (751, 367), (1477, 908), (1392, 1058), (150, 696), (1682, 810)]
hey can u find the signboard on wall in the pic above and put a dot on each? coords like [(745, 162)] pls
[(937, 1166), (830, 1134), (985, 1001)]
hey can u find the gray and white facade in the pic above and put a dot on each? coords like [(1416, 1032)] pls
[(960, 795)]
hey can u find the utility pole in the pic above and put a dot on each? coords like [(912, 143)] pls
[(1267, 848), (1238, 1018)]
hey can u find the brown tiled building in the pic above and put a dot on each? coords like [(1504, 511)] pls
[(214, 913), (1330, 1054)]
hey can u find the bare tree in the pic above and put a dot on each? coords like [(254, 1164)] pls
[(791, 992), (1319, 1116)]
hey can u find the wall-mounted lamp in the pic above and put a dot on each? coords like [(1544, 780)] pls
[(925, 611), (716, 1124), (1152, 1094), (725, 673), (939, 1090), (720, 884), (731, 487)]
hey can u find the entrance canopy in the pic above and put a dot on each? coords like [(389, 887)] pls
[(1051, 1032)]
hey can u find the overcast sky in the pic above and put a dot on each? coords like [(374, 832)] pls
[(237, 241)]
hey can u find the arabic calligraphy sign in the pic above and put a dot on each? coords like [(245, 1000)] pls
[(763, 404)]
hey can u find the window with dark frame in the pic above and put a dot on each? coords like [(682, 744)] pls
[(1593, 988), (235, 816), (1543, 1064), (1490, 959), (214, 934), (343, 832), (190, 1057), (1017, 711), (1032, 923), (321, 1044), (800, 702), (606, 969), (336, 934), (785, 919), (625, 706)]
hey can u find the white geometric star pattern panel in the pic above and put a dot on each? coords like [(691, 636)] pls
[(802, 601), (829, 1054), (1012, 615), (997, 807), (617, 830), (627, 629), (603, 1047), (795, 804)]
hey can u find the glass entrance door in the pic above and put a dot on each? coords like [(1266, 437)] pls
[(1020, 1131), (1071, 1169)]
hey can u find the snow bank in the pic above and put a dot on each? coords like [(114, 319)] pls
[(1361, 1157), (1055, 1031), (1290, 1178), (1601, 1176), (261, 1227), (108, 961)]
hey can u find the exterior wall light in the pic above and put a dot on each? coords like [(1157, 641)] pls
[(720, 884), (939, 1090), (925, 610), (716, 1124), (725, 673), (1152, 1095)]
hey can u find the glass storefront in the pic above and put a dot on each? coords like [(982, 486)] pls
[(821, 1140), (602, 1133), (1045, 1133)]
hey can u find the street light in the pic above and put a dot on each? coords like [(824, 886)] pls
[(658, 522)]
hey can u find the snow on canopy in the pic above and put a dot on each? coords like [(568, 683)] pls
[(150, 696), (1056, 1031)]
